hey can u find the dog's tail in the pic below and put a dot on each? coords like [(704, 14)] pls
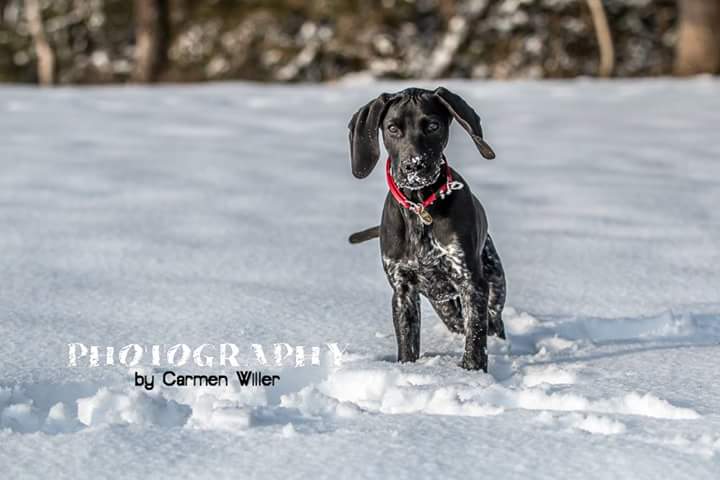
[(365, 235)]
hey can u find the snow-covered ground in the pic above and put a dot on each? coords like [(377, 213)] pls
[(219, 213)]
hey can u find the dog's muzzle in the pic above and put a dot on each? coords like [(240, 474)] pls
[(418, 172)]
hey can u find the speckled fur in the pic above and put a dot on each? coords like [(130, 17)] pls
[(438, 268)]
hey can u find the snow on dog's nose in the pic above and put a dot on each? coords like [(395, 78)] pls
[(415, 163)]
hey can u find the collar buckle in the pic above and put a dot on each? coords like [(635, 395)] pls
[(455, 185)]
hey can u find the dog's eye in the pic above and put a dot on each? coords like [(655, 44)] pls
[(393, 128), (432, 126)]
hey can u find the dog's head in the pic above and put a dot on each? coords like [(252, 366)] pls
[(415, 125)]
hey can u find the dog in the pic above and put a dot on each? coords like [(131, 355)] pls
[(434, 232)]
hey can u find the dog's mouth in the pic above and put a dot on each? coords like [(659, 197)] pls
[(417, 179)]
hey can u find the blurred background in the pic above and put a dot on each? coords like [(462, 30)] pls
[(108, 41)]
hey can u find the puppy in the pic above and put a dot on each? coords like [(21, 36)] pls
[(434, 233)]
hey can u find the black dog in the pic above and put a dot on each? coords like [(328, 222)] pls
[(434, 233)]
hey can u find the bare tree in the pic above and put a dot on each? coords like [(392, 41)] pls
[(43, 51), (604, 38), (152, 30), (698, 45)]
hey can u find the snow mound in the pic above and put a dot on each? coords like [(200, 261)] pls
[(315, 395), (132, 407)]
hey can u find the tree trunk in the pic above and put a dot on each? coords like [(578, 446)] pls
[(151, 39), (43, 51), (698, 45), (459, 28), (604, 38)]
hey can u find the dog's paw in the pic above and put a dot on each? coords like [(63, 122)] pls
[(470, 362), (408, 358)]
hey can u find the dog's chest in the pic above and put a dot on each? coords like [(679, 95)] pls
[(438, 269)]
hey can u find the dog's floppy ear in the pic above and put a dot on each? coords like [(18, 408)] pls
[(465, 116), (364, 144)]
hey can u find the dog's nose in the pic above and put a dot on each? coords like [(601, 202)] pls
[(415, 162)]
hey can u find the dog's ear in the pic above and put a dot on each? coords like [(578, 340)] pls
[(465, 116), (364, 144)]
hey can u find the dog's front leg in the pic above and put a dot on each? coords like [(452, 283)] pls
[(406, 318), (474, 301)]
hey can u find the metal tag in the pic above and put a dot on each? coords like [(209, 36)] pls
[(425, 217)]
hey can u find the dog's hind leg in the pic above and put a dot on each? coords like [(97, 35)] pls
[(495, 276), (450, 313)]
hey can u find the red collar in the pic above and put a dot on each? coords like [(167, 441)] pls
[(421, 208)]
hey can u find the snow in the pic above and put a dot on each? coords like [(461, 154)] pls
[(219, 214)]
